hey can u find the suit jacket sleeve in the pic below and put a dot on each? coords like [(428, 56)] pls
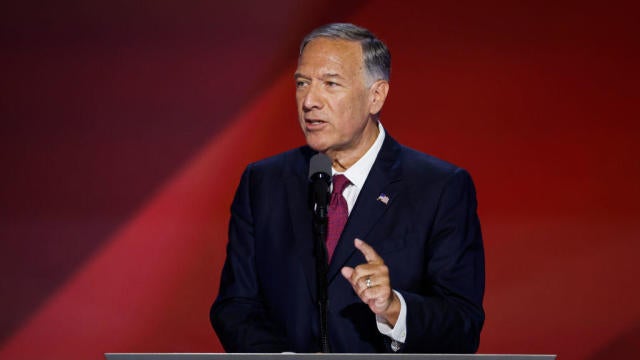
[(448, 316), (238, 314)]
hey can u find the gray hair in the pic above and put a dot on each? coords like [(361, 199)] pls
[(377, 58)]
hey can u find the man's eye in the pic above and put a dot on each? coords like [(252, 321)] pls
[(300, 84), (331, 84)]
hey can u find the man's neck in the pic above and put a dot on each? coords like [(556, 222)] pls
[(341, 161)]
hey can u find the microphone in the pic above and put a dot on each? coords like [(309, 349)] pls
[(320, 177), (320, 181)]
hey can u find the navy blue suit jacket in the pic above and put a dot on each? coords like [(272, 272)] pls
[(428, 235)]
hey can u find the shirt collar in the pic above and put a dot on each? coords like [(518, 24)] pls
[(359, 171)]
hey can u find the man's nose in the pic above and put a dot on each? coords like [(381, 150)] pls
[(312, 99)]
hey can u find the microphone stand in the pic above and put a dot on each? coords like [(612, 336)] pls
[(320, 196), (322, 267)]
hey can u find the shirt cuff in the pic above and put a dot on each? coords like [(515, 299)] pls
[(399, 332)]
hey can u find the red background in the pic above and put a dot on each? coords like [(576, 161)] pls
[(125, 126)]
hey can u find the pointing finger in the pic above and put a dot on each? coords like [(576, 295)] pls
[(369, 253)]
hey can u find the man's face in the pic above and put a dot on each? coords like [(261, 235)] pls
[(334, 103)]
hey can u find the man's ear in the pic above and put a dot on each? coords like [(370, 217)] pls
[(377, 95)]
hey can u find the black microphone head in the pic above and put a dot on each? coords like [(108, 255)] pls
[(320, 164), (319, 181)]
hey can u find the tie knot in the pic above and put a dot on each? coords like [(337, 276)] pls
[(340, 182)]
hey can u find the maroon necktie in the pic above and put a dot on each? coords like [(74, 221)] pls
[(338, 213)]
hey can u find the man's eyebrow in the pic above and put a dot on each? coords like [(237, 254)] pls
[(332, 75), (323, 76)]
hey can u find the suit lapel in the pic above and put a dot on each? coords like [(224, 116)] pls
[(383, 179)]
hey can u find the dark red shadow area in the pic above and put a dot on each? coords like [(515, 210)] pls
[(102, 102)]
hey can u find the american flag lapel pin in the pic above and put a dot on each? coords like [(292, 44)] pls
[(383, 198)]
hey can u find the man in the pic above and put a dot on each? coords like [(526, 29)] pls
[(406, 274)]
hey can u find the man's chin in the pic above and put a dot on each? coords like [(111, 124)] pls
[(321, 149), (318, 146)]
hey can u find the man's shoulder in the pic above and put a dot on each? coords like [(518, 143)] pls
[(293, 160), (419, 164), (425, 173), (426, 159)]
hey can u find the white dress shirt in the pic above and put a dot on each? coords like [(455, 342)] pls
[(357, 175)]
